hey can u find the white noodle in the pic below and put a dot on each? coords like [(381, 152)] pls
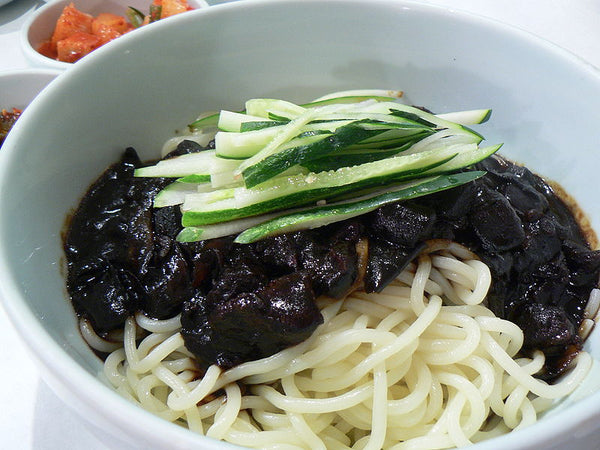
[(396, 370)]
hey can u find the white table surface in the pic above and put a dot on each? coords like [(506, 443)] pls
[(31, 416)]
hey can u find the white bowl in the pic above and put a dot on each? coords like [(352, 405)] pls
[(40, 25), (19, 87), (544, 102)]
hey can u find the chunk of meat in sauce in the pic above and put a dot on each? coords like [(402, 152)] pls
[(251, 324), (110, 244)]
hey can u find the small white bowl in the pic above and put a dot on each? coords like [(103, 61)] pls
[(19, 87), (40, 25)]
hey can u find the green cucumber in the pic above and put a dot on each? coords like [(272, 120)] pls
[(206, 120), (180, 166), (285, 192), (193, 234), (247, 143), (353, 147), (234, 121), (292, 155), (194, 179), (236, 145), (401, 110), (174, 194), (324, 215), (472, 117), (467, 158), (273, 159), (355, 157), (263, 107), (357, 95), (212, 119)]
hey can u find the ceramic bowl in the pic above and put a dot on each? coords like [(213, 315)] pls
[(39, 26), (545, 111), (19, 87)]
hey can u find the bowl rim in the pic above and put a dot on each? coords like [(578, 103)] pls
[(93, 392), (30, 71)]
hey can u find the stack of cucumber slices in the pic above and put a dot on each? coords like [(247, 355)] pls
[(279, 167)]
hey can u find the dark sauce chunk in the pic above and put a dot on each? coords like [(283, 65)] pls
[(110, 242), (251, 324)]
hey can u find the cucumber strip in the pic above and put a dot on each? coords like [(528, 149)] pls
[(235, 145), (382, 116), (285, 192), (389, 140), (441, 139), (447, 124), (180, 166), (472, 117), (281, 186), (233, 121), (387, 120), (360, 93), (174, 194), (324, 215), (218, 195), (208, 119), (286, 133), (400, 110), (221, 173), (212, 119), (194, 179), (346, 100), (262, 107), (467, 158), (259, 125), (193, 234), (242, 145), (256, 170), (223, 180), (287, 157), (351, 158), (276, 165), (356, 132)]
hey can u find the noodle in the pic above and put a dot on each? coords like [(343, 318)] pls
[(422, 365)]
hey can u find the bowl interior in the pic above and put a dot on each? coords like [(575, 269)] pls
[(218, 57)]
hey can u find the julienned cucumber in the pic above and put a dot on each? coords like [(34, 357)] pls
[(355, 148), (324, 215), (259, 227), (473, 117), (180, 166), (286, 192), (354, 96)]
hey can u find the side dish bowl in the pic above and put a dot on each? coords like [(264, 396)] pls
[(40, 25), (146, 86), (19, 87)]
